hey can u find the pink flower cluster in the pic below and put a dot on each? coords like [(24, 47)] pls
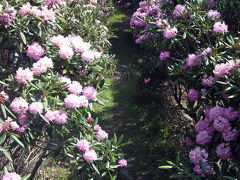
[(8, 125), (89, 155), (19, 105), (47, 14), (42, 65), (220, 27), (101, 134), (164, 55), (194, 59), (193, 95), (58, 116), (122, 162), (24, 76), (11, 176), (170, 32), (36, 108), (224, 68), (216, 119), (8, 16), (207, 80), (213, 14), (179, 10), (223, 151), (34, 51), (74, 101), (199, 156), (47, 2), (70, 44)]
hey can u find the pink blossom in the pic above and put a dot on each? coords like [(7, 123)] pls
[(25, 9), (8, 16), (11, 176), (90, 156), (213, 14), (48, 14), (147, 80), (203, 137), (179, 10), (221, 124), (201, 125), (101, 135), (230, 135), (90, 92), (97, 127), (58, 117), (83, 145), (19, 105), (82, 47), (74, 101), (65, 52), (90, 119), (35, 11), (193, 95), (4, 95), (164, 55), (24, 75), (35, 51), (224, 68), (122, 162), (50, 115), (215, 112), (196, 155), (230, 114), (65, 80), (36, 108), (193, 60), (22, 119), (89, 55), (207, 80), (162, 23), (207, 169), (223, 151), (75, 87), (47, 2), (170, 32), (60, 41), (220, 27), (42, 65), (187, 141)]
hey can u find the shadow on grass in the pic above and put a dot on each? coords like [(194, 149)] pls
[(150, 122)]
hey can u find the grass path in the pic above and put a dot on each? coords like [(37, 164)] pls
[(149, 124)]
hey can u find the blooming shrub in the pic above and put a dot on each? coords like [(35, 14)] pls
[(55, 64), (193, 47)]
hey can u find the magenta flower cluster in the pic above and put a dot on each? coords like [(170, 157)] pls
[(199, 156)]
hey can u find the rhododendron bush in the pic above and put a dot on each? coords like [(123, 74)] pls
[(193, 47), (54, 57)]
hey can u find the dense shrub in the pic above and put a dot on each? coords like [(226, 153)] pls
[(194, 49), (54, 57)]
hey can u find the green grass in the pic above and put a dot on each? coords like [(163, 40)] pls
[(149, 122)]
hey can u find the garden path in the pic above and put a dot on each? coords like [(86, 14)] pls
[(149, 126)]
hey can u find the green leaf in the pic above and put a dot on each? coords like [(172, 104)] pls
[(3, 138), (23, 38), (8, 156), (4, 111), (26, 177), (229, 178), (17, 140), (165, 167), (96, 169)]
